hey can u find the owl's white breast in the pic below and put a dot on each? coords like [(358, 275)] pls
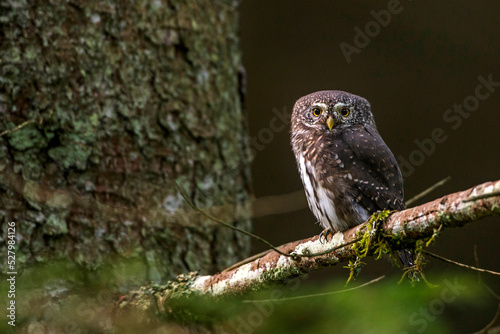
[(320, 200)]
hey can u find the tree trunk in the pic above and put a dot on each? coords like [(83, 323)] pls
[(103, 105)]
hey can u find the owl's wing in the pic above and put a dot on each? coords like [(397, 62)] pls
[(374, 178)]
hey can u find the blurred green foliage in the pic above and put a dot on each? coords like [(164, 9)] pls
[(65, 299)]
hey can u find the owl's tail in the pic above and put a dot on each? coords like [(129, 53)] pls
[(406, 257)]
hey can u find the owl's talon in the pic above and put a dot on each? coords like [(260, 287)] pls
[(323, 236)]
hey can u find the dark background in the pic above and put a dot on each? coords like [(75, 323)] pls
[(427, 59)]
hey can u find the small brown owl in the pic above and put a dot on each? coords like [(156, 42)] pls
[(347, 170)]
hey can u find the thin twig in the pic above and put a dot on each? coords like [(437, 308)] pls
[(262, 254), (250, 259), (217, 220), (492, 322), (476, 260), (331, 249), (278, 204), (490, 290), (18, 127), (474, 198), (315, 295), (461, 264), (428, 190)]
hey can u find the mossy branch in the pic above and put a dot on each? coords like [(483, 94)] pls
[(398, 229)]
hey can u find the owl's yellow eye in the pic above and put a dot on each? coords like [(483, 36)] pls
[(316, 111), (345, 111)]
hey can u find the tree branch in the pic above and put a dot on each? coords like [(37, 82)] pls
[(400, 229), (458, 264)]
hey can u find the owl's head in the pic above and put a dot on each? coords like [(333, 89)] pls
[(331, 110)]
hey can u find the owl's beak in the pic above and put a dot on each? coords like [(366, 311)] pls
[(330, 122)]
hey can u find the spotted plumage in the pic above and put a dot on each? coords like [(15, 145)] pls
[(347, 170)]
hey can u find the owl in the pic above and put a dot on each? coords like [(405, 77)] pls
[(347, 170)]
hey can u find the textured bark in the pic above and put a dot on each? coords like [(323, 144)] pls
[(399, 229), (119, 98)]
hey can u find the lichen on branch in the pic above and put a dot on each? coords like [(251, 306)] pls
[(383, 233)]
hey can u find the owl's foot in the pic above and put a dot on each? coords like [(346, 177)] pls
[(323, 236)]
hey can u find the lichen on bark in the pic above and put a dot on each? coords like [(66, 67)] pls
[(123, 97)]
